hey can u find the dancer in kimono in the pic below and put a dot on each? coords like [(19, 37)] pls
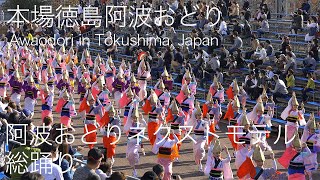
[(31, 95), (166, 149), (64, 83), (58, 66), (233, 90), (186, 101), (312, 139), (134, 125), (260, 172), (294, 158), (110, 73), (143, 76), (186, 79), (72, 71), (153, 109), (110, 131), (293, 116), (90, 123), (244, 140), (200, 128), (47, 102), (163, 95), (233, 111), (167, 79), (212, 110), (16, 85), (66, 108), (119, 86), (50, 79), (4, 82), (133, 84), (175, 118), (103, 93), (216, 167), (259, 119), (83, 86), (216, 90), (127, 102)]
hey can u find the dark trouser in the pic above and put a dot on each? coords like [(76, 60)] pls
[(207, 75), (258, 62), (156, 72), (304, 94), (277, 95)]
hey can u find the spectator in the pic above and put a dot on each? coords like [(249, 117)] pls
[(254, 46), (64, 162), (32, 176), (315, 49), (178, 60), (250, 84), (313, 28), (290, 64), (261, 56), (219, 75), (27, 150), (159, 170), (309, 63), (237, 27), (310, 87), (224, 53), (105, 170), (247, 31), (168, 58), (269, 48), (156, 70), (3, 169), (223, 28), (240, 61), (149, 175), (94, 159), (117, 176), (280, 89), (297, 22), (290, 79), (56, 171), (264, 26), (234, 10), (237, 44), (305, 7)]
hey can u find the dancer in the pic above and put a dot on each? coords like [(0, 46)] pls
[(134, 125), (216, 167), (200, 128), (110, 130), (293, 116)]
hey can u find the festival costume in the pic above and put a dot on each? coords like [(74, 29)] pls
[(143, 76), (16, 88), (109, 132), (294, 117), (217, 168), (90, 122), (167, 151)]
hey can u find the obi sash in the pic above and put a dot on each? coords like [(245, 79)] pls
[(58, 70), (109, 75), (165, 151), (293, 119), (245, 140), (65, 111), (2, 84)]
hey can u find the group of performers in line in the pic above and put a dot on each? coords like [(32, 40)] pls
[(110, 98)]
